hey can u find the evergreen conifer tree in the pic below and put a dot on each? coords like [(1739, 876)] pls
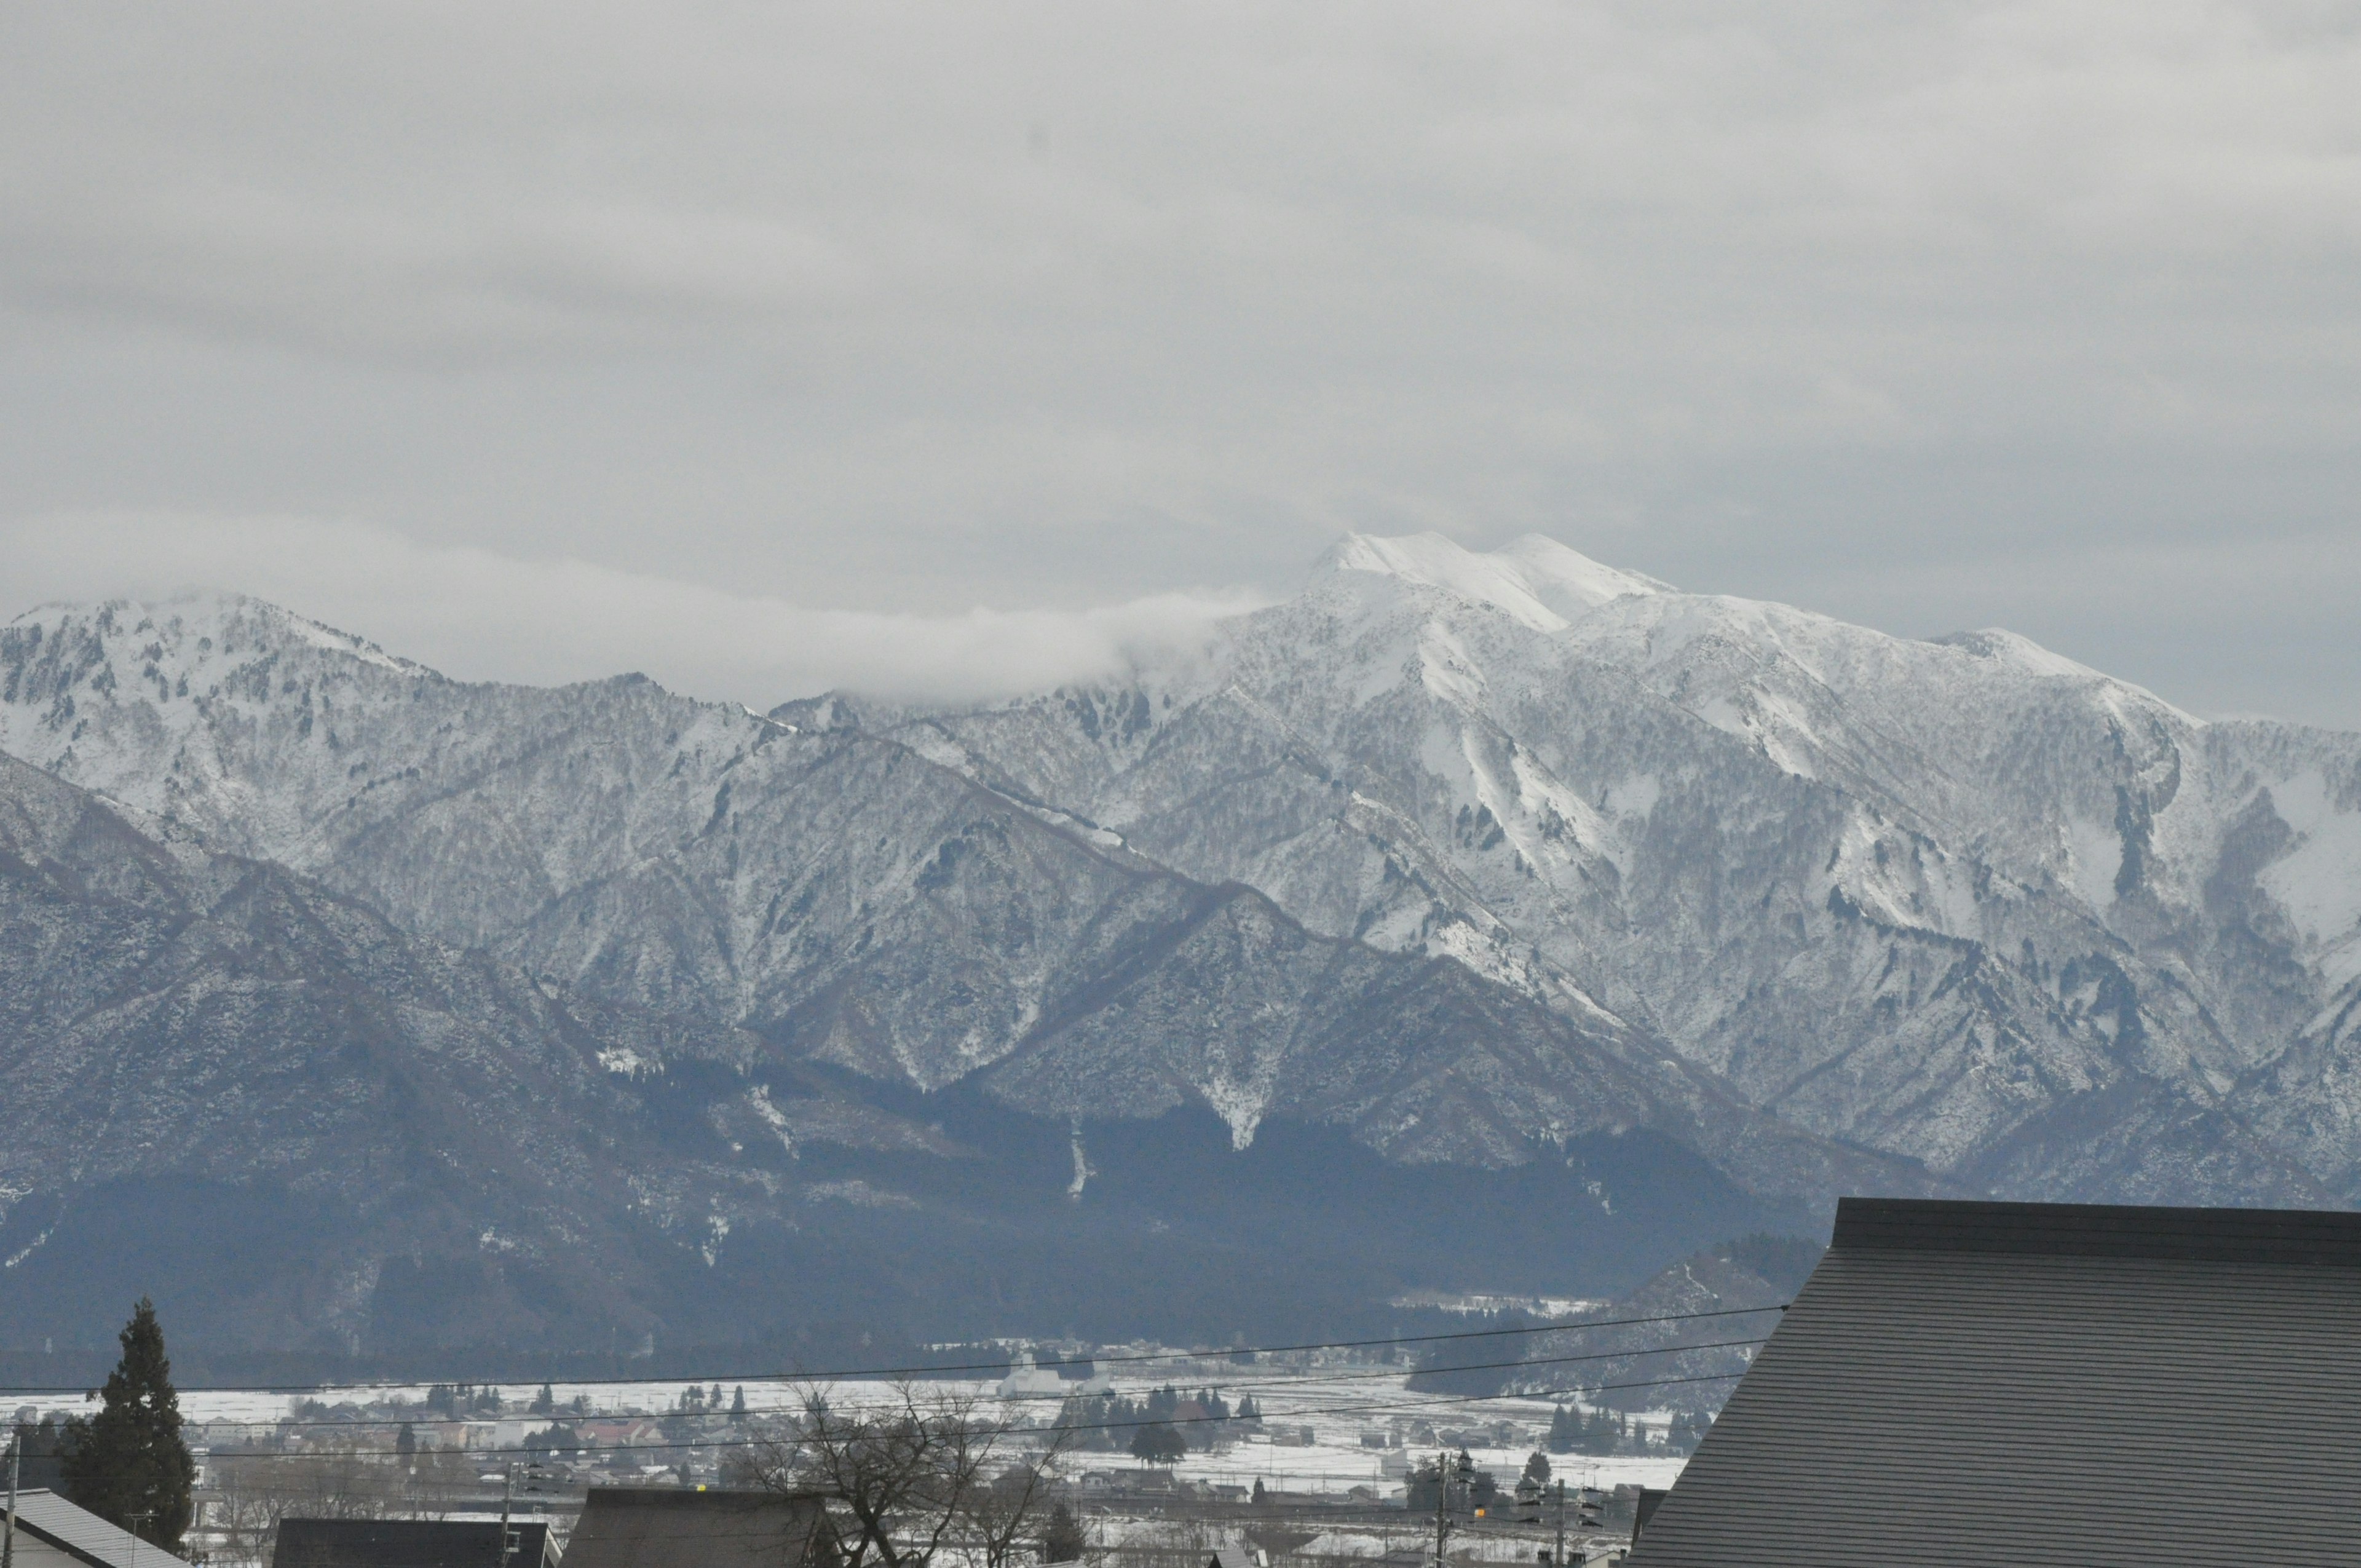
[(127, 1464), (1158, 1444), (1062, 1542), (40, 1448)]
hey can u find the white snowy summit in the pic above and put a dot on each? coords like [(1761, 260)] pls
[(1537, 580), (1477, 867)]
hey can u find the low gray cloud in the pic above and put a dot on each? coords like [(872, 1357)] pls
[(1930, 315), (480, 615)]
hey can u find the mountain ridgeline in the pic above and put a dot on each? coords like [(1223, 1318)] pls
[(1501, 921)]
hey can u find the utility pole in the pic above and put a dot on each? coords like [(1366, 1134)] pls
[(1558, 1559), (1441, 1505), (8, 1531)]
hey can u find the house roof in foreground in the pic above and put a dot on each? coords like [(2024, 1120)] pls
[(80, 1533), (1963, 1384), (674, 1527), (409, 1543)]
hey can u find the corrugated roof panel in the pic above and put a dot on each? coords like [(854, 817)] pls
[(2037, 1408), (627, 1526), (86, 1532), (2094, 1230)]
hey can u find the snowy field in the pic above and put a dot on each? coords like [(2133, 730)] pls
[(1341, 1405)]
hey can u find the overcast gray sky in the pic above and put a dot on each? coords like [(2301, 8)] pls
[(755, 344)]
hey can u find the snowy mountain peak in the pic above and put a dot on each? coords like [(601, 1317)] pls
[(1570, 581), (2006, 647), (191, 627), (2014, 652), (1537, 580), (179, 704)]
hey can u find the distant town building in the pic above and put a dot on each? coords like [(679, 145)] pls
[(674, 1527), (1027, 1380), (2034, 1385), (409, 1543), (53, 1533)]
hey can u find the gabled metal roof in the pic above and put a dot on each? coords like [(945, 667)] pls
[(2038, 1385), (673, 1527), (82, 1534)]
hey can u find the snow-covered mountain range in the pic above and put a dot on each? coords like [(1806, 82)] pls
[(1509, 863), (1963, 901)]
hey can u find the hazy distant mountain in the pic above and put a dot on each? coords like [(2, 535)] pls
[(1668, 911)]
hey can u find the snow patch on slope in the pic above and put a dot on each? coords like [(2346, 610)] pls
[(1570, 581), (2319, 880), (1240, 1105), (759, 1097), (2017, 651), (2095, 855)]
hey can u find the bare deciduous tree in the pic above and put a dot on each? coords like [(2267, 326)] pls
[(250, 1494), (914, 1475)]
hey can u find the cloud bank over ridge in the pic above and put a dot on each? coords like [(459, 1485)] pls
[(475, 614), (1954, 314)]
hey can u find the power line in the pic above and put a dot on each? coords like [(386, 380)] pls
[(1247, 1388), (937, 1371), (1406, 1404), (556, 1509), (1412, 1403)]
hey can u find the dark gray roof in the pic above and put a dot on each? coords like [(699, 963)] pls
[(408, 1543), (674, 1527), (1962, 1384)]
